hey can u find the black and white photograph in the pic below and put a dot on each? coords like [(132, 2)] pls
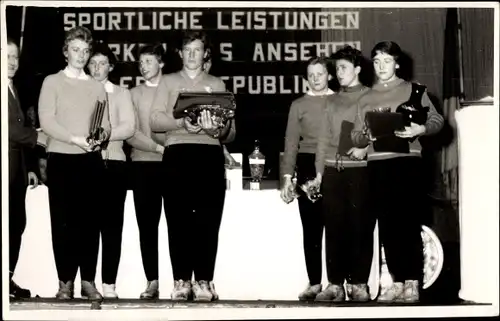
[(167, 160)]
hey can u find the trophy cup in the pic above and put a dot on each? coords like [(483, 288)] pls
[(95, 130), (412, 110), (257, 161), (312, 190), (222, 106)]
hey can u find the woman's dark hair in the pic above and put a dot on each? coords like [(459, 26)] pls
[(350, 54), (405, 70), (189, 36), (317, 60), (155, 49), (355, 57), (101, 48), (78, 32), (388, 47)]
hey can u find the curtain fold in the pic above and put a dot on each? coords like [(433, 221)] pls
[(451, 103)]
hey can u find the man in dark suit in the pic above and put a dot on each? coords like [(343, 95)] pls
[(21, 137)]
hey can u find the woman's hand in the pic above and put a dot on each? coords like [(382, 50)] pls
[(81, 142), (357, 153), (287, 190), (207, 124), (42, 163), (411, 131), (32, 180), (192, 129)]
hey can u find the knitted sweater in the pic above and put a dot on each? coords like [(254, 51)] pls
[(121, 114), (340, 107), (65, 108), (162, 119), (144, 142), (303, 128), (391, 95)]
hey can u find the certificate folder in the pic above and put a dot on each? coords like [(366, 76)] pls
[(345, 140), (382, 126)]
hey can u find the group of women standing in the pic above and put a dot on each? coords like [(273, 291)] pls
[(359, 184), (86, 178)]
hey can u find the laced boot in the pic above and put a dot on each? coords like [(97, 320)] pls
[(182, 290), (310, 292), (17, 292), (201, 291), (89, 291), (109, 291), (333, 292), (411, 291), (359, 292), (151, 292), (393, 294), (66, 291)]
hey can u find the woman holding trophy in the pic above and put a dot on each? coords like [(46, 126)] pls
[(73, 114), (348, 223), (395, 168), (302, 132), (121, 114), (193, 165)]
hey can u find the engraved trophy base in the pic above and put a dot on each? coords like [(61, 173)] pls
[(254, 186)]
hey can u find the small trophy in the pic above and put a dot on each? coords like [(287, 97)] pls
[(95, 130), (312, 190), (257, 161)]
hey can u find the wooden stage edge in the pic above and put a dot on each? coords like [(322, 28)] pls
[(81, 304)]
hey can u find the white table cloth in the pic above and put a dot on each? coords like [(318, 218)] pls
[(478, 171), (260, 250)]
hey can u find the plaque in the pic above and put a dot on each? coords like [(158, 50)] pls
[(95, 129), (222, 106)]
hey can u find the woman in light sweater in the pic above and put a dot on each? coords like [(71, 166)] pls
[(348, 223), (122, 117), (146, 169), (75, 169), (194, 174), (396, 179), (302, 132)]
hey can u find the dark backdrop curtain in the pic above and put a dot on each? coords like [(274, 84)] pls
[(477, 45), (451, 103)]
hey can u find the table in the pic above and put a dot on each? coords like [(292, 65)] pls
[(260, 253)]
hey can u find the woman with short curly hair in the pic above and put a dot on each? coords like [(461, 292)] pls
[(75, 167)]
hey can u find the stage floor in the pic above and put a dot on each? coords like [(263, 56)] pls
[(81, 304)]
